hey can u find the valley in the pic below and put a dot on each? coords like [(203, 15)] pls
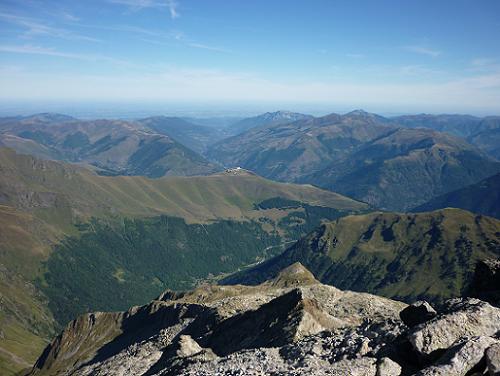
[(482, 197), (75, 241), (97, 216), (361, 155), (249, 188), (286, 325), (408, 257)]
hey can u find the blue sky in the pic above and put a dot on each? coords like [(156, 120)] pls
[(399, 56)]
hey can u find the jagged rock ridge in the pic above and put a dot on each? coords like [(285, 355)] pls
[(290, 325)]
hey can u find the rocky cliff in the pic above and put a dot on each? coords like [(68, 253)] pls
[(290, 325)]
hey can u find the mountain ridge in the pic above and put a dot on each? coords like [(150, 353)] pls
[(290, 324), (361, 155), (481, 198), (214, 320), (384, 253), (52, 213), (113, 147), (266, 119)]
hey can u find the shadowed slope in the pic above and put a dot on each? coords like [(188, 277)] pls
[(406, 256)]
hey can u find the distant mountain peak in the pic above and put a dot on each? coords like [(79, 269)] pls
[(268, 119), (294, 275), (52, 117), (283, 115), (363, 114), (358, 112)]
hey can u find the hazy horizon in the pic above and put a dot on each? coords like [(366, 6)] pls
[(137, 110), (387, 57)]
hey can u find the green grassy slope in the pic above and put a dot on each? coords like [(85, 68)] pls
[(407, 168), (291, 151), (39, 186), (45, 205), (481, 198), (26, 324), (112, 266), (404, 256), (361, 155), (115, 147)]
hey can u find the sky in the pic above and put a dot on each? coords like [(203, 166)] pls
[(386, 56)]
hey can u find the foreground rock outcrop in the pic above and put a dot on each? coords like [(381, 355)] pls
[(290, 325), (486, 281)]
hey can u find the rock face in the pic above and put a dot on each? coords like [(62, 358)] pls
[(388, 367), (463, 318), (493, 359), (486, 282), (290, 325), (461, 358), (417, 313)]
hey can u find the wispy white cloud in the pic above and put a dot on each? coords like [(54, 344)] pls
[(355, 56), (483, 62), (136, 5), (416, 70), (206, 47), (126, 29), (484, 66), (155, 42), (68, 16), (36, 28), (38, 50), (189, 42), (11, 69), (423, 50), (178, 35), (192, 45), (161, 38), (172, 6)]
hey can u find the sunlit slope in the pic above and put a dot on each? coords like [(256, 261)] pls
[(361, 155), (428, 255), (40, 186), (114, 147), (44, 204), (25, 321)]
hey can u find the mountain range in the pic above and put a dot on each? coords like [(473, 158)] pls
[(105, 214), (291, 151), (482, 198), (361, 155), (407, 257), (112, 147), (73, 241), (266, 119), (390, 163), (482, 132)]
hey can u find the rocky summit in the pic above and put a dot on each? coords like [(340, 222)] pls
[(289, 325)]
